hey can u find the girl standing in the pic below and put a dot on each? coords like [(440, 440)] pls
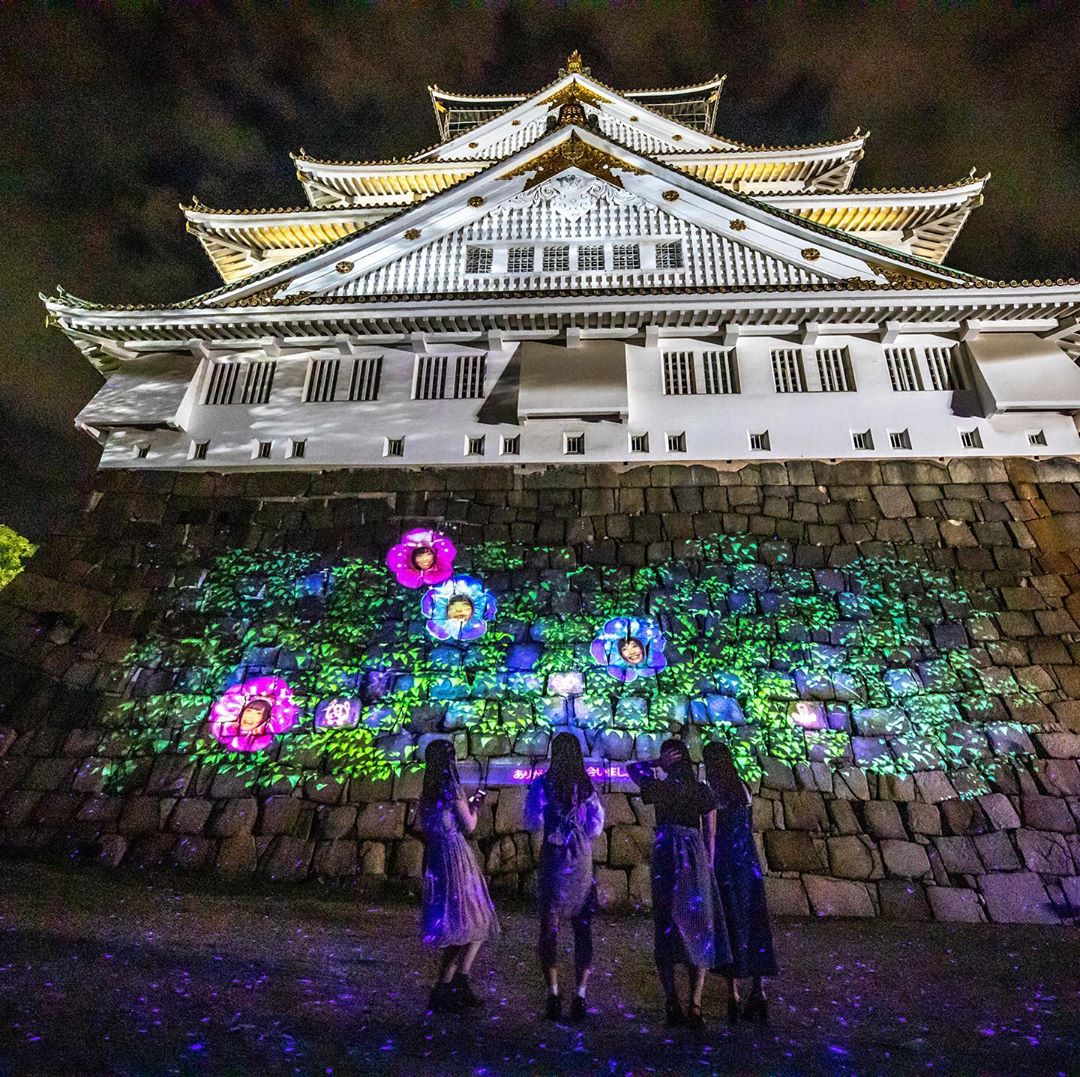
[(687, 929), (457, 915), (564, 802), (742, 890)]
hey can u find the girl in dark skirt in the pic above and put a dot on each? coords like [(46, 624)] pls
[(688, 929), (742, 889), (457, 915), (564, 803)]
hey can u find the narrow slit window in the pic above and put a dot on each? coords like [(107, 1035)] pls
[(393, 446), (679, 379), (904, 371), (142, 451), (520, 259), (669, 255), (639, 442), (625, 256), (760, 442), (557, 259), (478, 259), (677, 442), (971, 439), (474, 446), (590, 257), (258, 381), (1037, 438), (834, 370), (574, 444), (900, 439), (298, 449), (322, 380), (262, 450), (863, 439), (510, 445), (199, 450), (364, 382), (430, 378), (787, 368)]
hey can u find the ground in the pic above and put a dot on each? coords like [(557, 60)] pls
[(121, 975)]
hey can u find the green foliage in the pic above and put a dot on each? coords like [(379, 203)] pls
[(14, 550)]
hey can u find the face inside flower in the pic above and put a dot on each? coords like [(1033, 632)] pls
[(423, 558), (254, 717), (632, 651), (459, 608), (338, 712)]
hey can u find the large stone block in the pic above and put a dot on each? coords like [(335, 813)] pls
[(838, 897), (1047, 813), (905, 859), (882, 820), (630, 846), (786, 897), (804, 809), (612, 888), (903, 900), (955, 905), (794, 850), (850, 857), (510, 810), (1044, 851), (237, 857), (289, 859), (1018, 897), (381, 822)]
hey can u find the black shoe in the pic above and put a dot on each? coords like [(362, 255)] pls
[(756, 1009), (553, 1010), (693, 1016), (578, 1009), (463, 992), (442, 1000), (675, 1015)]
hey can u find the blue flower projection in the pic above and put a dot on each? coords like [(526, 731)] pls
[(629, 647), (458, 609)]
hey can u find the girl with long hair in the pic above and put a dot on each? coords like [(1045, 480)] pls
[(564, 803), (688, 931), (457, 915), (742, 889)]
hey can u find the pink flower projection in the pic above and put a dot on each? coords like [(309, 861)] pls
[(249, 715), (421, 558)]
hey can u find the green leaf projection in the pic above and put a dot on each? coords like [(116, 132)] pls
[(14, 550), (867, 665)]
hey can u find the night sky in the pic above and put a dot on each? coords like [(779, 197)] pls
[(114, 115)]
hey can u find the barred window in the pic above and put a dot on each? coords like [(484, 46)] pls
[(222, 385), (429, 382), (677, 442), (590, 257), (520, 259), (574, 444), (474, 446), (557, 259), (626, 256), (760, 442), (971, 439), (1037, 437), (787, 368), (469, 377), (946, 369), (258, 380), (322, 380), (862, 439), (834, 370), (639, 442), (721, 371), (510, 445), (298, 449), (262, 450), (393, 446), (679, 377), (364, 382), (199, 450), (669, 255), (900, 439), (478, 259), (903, 370)]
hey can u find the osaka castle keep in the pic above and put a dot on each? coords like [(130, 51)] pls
[(592, 275)]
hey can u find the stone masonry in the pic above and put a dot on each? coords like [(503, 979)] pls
[(836, 842)]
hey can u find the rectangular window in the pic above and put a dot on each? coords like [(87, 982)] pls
[(971, 439), (679, 379), (364, 382), (258, 380), (520, 259), (510, 445), (223, 376), (322, 380), (899, 439), (199, 449), (903, 370), (142, 450), (1036, 438), (557, 259), (669, 255), (469, 377), (639, 442), (478, 259), (393, 446), (262, 450), (574, 444), (298, 449), (474, 446), (721, 372), (760, 442), (676, 442), (787, 370), (946, 371), (590, 257), (862, 440), (429, 382), (625, 256), (834, 370)]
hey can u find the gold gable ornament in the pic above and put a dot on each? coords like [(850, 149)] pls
[(574, 66), (573, 153), (575, 92)]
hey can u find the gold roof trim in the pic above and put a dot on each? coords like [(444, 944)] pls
[(577, 93), (573, 152)]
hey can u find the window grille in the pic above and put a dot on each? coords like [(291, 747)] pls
[(142, 451), (639, 442), (510, 445), (903, 370), (945, 368), (900, 439), (574, 444), (1037, 438), (223, 376), (971, 439), (262, 450), (198, 449), (760, 442), (478, 259), (474, 446), (676, 442), (469, 377), (679, 379), (721, 372), (430, 379), (393, 446), (258, 380), (626, 256), (556, 259), (322, 380), (834, 370), (590, 257), (298, 449), (520, 259), (364, 382), (669, 255), (863, 440), (787, 369)]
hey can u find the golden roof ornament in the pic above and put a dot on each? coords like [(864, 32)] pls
[(572, 152), (574, 66)]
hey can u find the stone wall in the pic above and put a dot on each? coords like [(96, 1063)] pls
[(837, 840)]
